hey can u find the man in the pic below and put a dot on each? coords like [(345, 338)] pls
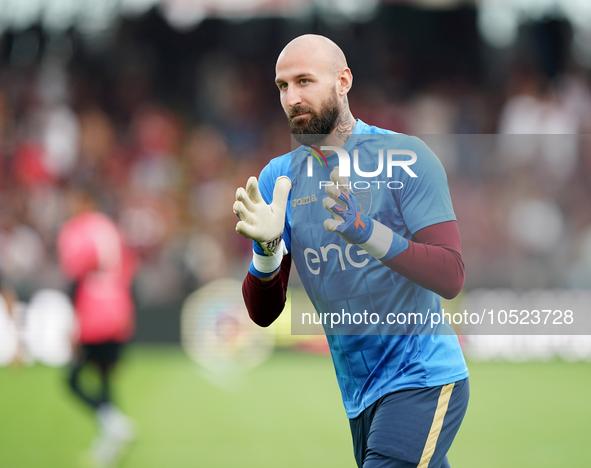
[(12, 348), (405, 389), (94, 256)]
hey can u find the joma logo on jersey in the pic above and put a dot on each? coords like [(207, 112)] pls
[(345, 162), (303, 201)]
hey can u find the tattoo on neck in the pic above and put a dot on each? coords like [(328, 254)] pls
[(345, 123)]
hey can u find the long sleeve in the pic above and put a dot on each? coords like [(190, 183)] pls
[(433, 260), (265, 299)]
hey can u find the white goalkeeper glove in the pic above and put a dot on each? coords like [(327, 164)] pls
[(263, 223), (354, 226)]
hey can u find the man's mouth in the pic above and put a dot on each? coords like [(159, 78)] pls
[(300, 113)]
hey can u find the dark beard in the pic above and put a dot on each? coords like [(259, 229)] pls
[(314, 129)]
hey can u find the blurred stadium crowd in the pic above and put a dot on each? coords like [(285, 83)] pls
[(164, 125)]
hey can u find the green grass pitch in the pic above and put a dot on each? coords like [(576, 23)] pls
[(286, 413)]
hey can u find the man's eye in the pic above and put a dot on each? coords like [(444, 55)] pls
[(304, 81), (283, 86)]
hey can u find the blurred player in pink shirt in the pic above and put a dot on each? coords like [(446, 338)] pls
[(93, 254)]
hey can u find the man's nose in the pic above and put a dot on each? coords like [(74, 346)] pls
[(293, 97)]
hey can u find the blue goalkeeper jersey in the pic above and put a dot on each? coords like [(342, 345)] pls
[(341, 277)]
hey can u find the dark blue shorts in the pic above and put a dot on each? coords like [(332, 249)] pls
[(410, 428)]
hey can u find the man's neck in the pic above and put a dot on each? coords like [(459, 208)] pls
[(343, 129), (345, 124)]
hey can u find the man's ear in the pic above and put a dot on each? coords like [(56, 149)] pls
[(345, 81)]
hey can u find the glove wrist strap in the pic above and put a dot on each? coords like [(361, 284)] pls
[(263, 266), (384, 244), (274, 245)]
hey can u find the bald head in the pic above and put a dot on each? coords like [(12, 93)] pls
[(318, 51), (313, 81)]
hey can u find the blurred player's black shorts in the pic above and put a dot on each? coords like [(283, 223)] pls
[(109, 351)]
